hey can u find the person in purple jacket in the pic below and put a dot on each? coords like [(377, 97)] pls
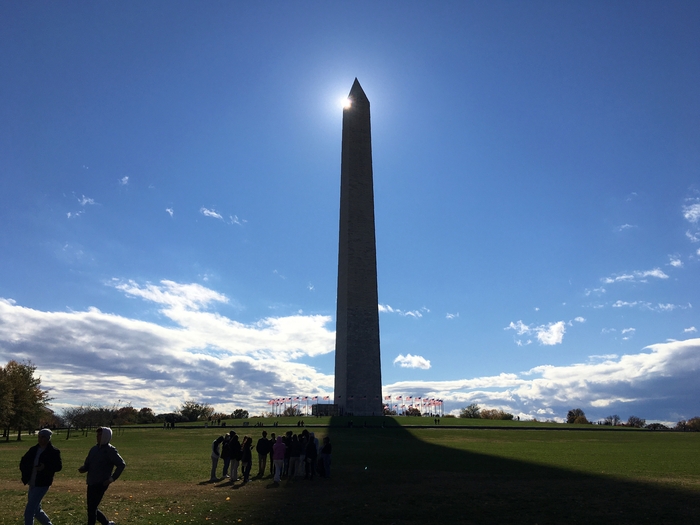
[(278, 450)]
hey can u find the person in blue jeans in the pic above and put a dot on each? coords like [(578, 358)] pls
[(38, 466)]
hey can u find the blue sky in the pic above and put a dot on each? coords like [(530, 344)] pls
[(169, 193)]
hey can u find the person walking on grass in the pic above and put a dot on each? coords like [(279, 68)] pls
[(215, 455), (38, 466), (103, 465)]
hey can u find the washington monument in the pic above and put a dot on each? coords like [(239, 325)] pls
[(358, 373)]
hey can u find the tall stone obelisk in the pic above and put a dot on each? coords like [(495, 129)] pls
[(358, 373)]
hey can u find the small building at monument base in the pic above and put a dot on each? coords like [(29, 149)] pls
[(324, 410)]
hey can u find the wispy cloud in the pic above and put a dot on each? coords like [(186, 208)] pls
[(624, 227), (84, 201), (645, 305), (548, 335), (385, 308), (691, 212), (412, 361), (451, 316), (637, 276), (675, 261), (210, 213), (124, 181), (170, 211), (690, 330)]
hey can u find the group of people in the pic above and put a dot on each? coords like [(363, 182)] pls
[(291, 456), (103, 465)]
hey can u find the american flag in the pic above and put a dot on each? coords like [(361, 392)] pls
[(315, 398), (326, 398), (399, 397), (387, 398), (305, 398)]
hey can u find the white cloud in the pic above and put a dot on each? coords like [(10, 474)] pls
[(628, 330), (124, 181), (386, 309), (170, 211), (660, 307), (655, 382), (675, 261), (85, 200), (199, 353), (548, 335), (452, 316), (599, 291), (553, 334), (412, 361), (692, 329), (235, 220), (692, 212), (96, 357), (693, 236), (637, 276), (624, 227), (210, 213)]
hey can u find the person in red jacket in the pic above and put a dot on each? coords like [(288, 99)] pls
[(38, 466)]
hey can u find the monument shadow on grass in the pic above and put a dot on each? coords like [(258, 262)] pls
[(387, 475)]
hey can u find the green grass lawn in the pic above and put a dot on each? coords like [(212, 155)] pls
[(519, 473)]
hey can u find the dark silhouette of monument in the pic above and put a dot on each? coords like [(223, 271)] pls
[(358, 374)]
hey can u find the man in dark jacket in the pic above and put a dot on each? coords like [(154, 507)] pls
[(103, 465), (263, 449), (38, 466)]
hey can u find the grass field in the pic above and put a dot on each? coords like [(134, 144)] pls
[(515, 473)]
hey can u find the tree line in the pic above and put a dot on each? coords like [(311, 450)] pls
[(24, 406), (578, 417)]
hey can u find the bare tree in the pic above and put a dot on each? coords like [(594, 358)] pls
[(613, 420), (574, 414), (471, 411), (636, 422)]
